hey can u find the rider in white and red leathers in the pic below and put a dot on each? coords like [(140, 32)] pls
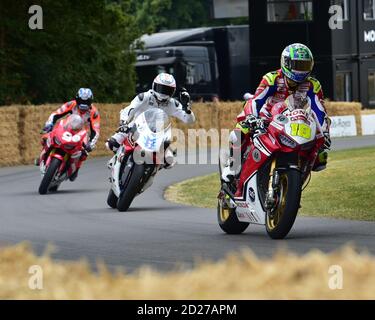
[(293, 78), (160, 96)]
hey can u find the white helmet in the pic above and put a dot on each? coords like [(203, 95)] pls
[(164, 87)]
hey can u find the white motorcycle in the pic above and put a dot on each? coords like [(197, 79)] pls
[(139, 158)]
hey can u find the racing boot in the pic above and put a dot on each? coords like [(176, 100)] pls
[(170, 158), (228, 172), (321, 161), (74, 175)]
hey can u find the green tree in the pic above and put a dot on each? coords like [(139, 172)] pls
[(178, 14), (12, 52), (150, 14), (83, 43)]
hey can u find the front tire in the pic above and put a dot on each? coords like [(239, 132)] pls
[(133, 187), (279, 224), (228, 220), (49, 176), (112, 199)]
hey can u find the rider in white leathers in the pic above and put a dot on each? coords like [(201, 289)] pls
[(160, 96)]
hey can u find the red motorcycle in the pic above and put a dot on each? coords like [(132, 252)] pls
[(277, 163), (63, 148)]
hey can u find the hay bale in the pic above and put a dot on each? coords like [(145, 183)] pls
[(9, 136), (368, 111), (109, 121), (25, 123), (344, 109), (32, 120)]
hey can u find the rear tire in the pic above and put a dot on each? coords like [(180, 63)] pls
[(112, 199), (49, 175), (133, 187), (279, 226), (228, 220)]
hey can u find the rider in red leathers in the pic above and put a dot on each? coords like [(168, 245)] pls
[(293, 78), (82, 106)]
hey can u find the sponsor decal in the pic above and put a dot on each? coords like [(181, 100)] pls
[(252, 217), (282, 119), (252, 194), (256, 155), (343, 126), (242, 205), (143, 57), (368, 124)]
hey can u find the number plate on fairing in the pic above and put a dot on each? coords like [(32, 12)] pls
[(300, 128)]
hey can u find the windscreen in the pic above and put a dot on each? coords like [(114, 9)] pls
[(74, 122), (157, 120)]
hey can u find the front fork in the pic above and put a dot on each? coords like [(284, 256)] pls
[(273, 188)]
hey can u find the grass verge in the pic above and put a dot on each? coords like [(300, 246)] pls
[(239, 276), (346, 189)]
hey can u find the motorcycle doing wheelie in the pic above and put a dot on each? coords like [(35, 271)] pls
[(139, 158), (62, 148), (277, 163)]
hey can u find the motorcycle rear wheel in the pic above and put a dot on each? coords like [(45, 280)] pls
[(281, 222), (49, 176)]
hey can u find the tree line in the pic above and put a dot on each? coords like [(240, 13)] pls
[(83, 43)]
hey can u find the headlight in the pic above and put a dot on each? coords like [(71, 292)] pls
[(69, 146), (287, 141), (56, 141)]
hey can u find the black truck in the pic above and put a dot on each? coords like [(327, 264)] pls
[(208, 62)]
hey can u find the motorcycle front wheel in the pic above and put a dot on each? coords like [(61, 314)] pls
[(49, 176), (228, 220), (136, 181), (112, 199), (279, 223)]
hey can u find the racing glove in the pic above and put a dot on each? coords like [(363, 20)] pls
[(112, 144), (185, 100), (89, 147), (254, 123), (123, 127), (327, 141), (47, 127)]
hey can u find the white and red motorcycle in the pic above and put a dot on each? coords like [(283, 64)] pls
[(141, 156), (277, 163)]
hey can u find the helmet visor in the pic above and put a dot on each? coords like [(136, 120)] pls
[(83, 107), (163, 89), (301, 65)]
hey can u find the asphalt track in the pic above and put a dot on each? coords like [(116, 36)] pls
[(77, 221)]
